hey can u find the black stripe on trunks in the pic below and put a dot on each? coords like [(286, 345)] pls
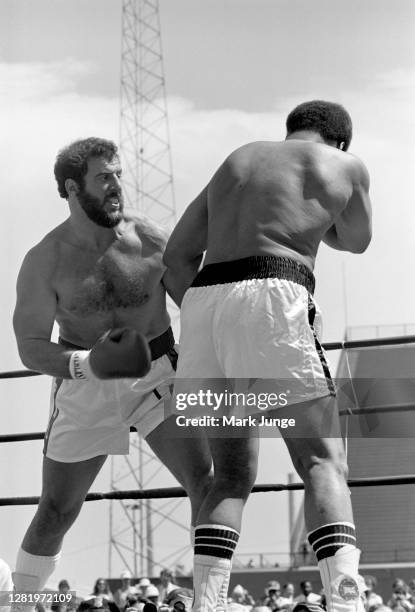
[(319, 348), (54, 416)]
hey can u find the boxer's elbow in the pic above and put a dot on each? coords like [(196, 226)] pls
[(358, 249), (27, 354), (361, 241)]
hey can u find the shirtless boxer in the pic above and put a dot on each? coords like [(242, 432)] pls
[(99, 270), (250, 313)]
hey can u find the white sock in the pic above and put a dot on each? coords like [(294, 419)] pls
[(222, 603), (342, 584), (33, 571), (338, 561), (214, 547), (209, 574)]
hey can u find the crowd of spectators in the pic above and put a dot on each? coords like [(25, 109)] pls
[(290, 599), (167, 596), (143, 596)]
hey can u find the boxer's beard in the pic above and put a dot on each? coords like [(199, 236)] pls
[(94, 208)]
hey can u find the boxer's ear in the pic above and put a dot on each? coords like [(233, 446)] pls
[(342, 146), (71, 186)]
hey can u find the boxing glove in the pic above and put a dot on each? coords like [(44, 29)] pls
[(119, 353)]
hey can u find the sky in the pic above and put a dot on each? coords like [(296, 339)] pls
[(234, 69)]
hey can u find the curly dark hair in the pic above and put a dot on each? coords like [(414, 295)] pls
[(330, 120), (72, 161)]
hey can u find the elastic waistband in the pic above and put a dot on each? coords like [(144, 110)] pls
[(158, 346), (257, 266)]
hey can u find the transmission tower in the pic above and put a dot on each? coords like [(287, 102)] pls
[(144, 128), (148, 187)]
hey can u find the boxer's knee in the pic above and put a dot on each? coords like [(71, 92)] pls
[(237, 477), (199, 480), (326, 459), (55, 516), (326, 468)]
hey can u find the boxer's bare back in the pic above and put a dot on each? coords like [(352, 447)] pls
[(280, 198)]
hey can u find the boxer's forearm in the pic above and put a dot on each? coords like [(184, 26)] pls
[(45, 357)]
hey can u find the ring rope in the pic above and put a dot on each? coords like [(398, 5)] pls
[(172, 492), (39, 435), (328, 346)]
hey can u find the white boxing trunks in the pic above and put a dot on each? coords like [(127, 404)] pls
[(254, 318), (93, 417)]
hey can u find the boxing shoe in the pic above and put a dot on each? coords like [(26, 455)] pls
[(119, 353)]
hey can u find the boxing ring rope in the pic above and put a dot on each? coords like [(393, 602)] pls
[(176, 492), (173, 492), (328, 346)]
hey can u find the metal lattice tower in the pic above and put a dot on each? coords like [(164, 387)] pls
[(144, 128), (148, 187)]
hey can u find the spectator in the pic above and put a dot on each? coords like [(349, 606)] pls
[(143, 586), (93, 603), (371, 598), (241, 601), (400, 593), (273, 598), (101, 589), (180, 600), (132, 604), (287, 597), (126, 588), (307, 595), (152, 594), (412, 591), (58, 606), (166, 584)]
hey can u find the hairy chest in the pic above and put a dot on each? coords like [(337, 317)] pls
[(122, 277)]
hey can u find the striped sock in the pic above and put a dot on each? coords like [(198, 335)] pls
[(214, 548), (338, 560), (328, 539)]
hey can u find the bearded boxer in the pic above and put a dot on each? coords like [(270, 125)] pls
[(98, 275), (250, 314)]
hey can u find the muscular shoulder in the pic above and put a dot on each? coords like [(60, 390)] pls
[(237, 167), (147, 229), (357, 171), (240, 161), (41, 259), (329, 161)]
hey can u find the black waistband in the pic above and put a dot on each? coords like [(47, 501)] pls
[(258, 266), (158, 346)]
